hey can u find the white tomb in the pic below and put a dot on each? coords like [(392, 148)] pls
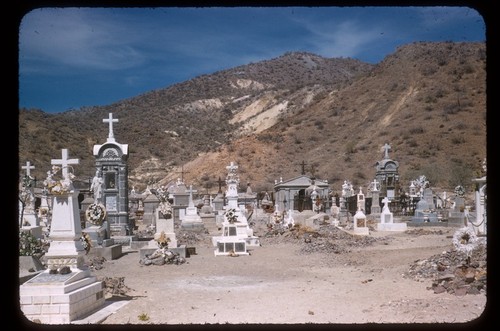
[(236, 233), (191, 220), (360, 217), (387, 219), (66, 290)]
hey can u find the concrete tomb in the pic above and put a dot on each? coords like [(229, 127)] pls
[(67, 290)]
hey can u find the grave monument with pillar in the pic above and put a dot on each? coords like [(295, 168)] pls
[(66, 290), (111, 164)]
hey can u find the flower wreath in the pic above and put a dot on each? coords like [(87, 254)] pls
[(231, 215), (465, 240), (95, 213), (58, 186), (460, 191), (165, 208)]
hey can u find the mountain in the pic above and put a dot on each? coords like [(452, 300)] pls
[(427, 100)]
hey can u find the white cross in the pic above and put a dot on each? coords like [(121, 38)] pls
[(386, 202), (64, 162), (28, 168), (110, 120), (386, 148), (232, 167)]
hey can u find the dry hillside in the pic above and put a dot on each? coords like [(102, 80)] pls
[(427, 100)]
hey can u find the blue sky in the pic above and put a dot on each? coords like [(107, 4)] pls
[(75, 57)]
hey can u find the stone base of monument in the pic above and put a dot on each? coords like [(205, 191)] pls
[(193, 226), (230, 246), (392, 227), (29, 267), (112, 252), (61, 298), (361, 231), (456, 219)]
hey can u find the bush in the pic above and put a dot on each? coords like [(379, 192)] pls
[(29, 245)]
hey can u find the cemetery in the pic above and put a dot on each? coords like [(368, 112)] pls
[(386, 252)]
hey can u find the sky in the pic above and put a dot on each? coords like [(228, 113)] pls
[(71, 58)]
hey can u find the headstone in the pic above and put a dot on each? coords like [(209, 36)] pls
[(375, 189), (28, 217), (66, 290), (425, 213), (480, 222), (191, 221), (387, 219), (236, 234), (207, 215), (150, 204), (359, 223)]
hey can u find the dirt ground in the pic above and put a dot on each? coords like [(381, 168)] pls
[(296, 278)]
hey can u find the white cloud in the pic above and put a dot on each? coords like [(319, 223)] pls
[(77, 38)]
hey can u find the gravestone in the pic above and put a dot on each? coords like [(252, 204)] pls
[(375, 190), (387, 219), (150, 204), (112, 171), (28, 217), (456, 215), (359, 223), (66, 290), (164, 227), (236, 234), (192, 221), (207, 215), (181, 200), (361, 200), (425, 213)]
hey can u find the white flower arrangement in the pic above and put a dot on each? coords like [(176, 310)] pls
[(460, 191), (86, 241), (165, 208), (163, 240), (95, 213), (231, 215), (58, 186), (465, 240)]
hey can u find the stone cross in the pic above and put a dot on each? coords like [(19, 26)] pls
[(303, 164), (386, 149), (182, 172), (110, 120), (386, 203), (64, 162), (375, 185), (220, 181), (28, 168), (232, 167)]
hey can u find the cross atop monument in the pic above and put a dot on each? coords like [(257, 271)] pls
[(28, 168), (303, 164), (182, 172), (386, 149), (110, 120), (232, 167), (220, 181), (64, 162), (375, 186)]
